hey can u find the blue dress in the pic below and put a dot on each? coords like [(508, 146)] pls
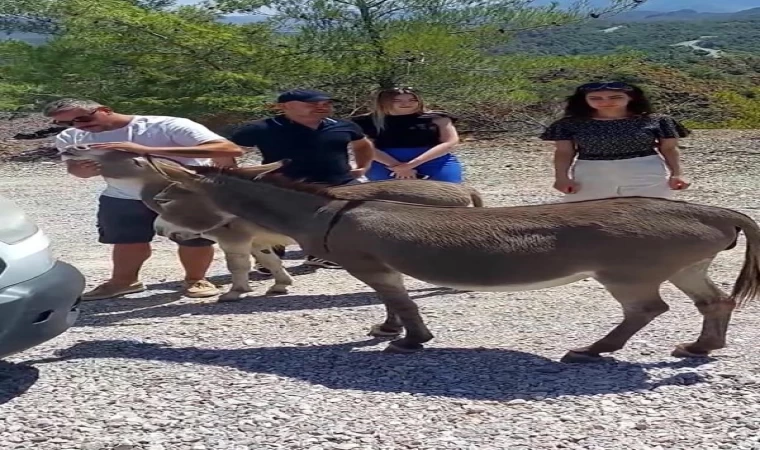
[(406, 137)]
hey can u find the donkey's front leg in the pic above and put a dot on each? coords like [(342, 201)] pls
[(389, 286), (267, 257), (238, 257)]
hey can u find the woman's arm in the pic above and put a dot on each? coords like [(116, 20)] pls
[(671, 155), (449, 139), (564, 154)]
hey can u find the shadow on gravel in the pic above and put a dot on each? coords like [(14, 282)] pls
[(15, 380), (226, 280), (109, 312), (477, 374)]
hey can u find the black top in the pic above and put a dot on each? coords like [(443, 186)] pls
[(318, 155), (615, 139), (405, 131)]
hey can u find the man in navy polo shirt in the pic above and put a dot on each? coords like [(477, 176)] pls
[(316, 144)]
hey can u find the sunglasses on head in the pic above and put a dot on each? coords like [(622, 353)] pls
[(611, 86), (81, 119), (399, 90)]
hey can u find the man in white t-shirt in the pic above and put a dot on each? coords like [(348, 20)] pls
[(123, 219)]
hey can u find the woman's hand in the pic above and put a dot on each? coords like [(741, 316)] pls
[(404, 172), (566, 185), (678, 183)]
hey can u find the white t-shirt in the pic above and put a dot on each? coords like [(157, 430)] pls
[(151, 131)]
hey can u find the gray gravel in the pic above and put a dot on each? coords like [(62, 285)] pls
[(154, 371)]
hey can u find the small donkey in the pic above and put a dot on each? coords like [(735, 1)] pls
[(189, 215)]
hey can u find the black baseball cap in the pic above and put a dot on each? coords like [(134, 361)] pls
[(303, 95)]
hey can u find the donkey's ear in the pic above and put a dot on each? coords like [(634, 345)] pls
[(258, 172), (266, 169), (170, 169)]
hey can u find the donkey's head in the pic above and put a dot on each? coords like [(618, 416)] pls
[(189, 210), (113, 163), (183, 202)]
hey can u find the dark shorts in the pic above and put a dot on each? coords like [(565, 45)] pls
[(124, 221)]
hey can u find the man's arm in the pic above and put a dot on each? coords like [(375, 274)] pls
[(364, 153), (193, 141)]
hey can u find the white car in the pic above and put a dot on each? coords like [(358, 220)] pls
[(39, 295)]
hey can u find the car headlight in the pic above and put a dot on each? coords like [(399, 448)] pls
[(14, 225)]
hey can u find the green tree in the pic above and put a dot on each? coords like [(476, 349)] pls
[(390, 42), (146, 58), (153, 56)]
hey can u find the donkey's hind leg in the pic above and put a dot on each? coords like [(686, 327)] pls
[(714, 305), (641, 304), (269, 259)]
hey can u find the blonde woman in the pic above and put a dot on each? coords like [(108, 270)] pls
[(411, 142)]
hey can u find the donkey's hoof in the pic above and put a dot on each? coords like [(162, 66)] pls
[(402, 347), (576, 357), (383, 330), (682, 351), (277, 290), (231, 296)]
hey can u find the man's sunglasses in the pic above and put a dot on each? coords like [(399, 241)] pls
[(612, 86), (81, 119)]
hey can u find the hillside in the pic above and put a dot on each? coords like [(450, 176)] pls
[(704, 71), (642, 15), (713, 6), (659, 39)]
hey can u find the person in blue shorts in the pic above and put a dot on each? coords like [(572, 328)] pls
[(411, 142)]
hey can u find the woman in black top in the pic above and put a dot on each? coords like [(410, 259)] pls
[(620, 147), (411, 142)]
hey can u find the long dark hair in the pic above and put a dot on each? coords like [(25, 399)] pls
[(577, 106)]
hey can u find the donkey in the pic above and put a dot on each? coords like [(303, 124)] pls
[(196, 217), (189, 215), (630, 245)]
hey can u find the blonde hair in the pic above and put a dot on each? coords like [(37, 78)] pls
[(383, 102)]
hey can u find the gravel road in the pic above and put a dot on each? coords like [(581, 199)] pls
[(154, 371)]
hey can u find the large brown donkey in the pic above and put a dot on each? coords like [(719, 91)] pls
[(630, 245)]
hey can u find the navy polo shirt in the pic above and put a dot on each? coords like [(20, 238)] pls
[(318, 155)]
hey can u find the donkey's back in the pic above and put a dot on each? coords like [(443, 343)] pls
[(426, 192)]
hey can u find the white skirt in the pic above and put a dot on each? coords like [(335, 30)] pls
[(645, 176)]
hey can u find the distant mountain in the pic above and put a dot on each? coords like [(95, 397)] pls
[(715, 6), (681, 15), (244, 19), (31, 38)]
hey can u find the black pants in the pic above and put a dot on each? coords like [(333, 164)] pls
[(125, 221)]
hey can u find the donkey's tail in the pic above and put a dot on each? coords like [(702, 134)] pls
[(477, 199), (747, 286)]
